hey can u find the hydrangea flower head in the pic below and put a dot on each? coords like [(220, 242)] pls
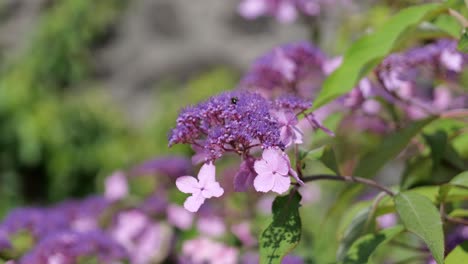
[(295, 68), (204, 188), (273, 172), (230, 122)]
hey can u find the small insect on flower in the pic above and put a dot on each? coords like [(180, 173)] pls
[(234, 100)]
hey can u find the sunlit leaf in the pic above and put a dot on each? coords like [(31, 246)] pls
[(420, 216)]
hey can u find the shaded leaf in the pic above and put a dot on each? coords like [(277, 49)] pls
[(364, 247), (329, 159), (284, 233), (390, 147), (420, 216), (356, 229)]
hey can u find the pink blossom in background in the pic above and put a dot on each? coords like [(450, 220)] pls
[(387, 220), (310, 193), (285, 11), (204, 188), (242, 232), (144, 239), (179, 217), (265, 203), (203, 250), (116, 186), (211, 226), (273, 172)]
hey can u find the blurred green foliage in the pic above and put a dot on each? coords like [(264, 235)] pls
[(57, 139)]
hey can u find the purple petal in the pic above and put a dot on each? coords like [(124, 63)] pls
[(245, 176)]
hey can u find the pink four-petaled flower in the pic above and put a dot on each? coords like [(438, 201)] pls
[(273, 172), (204, 188)]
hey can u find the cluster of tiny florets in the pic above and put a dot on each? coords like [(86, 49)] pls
[(292, 103), (230, 122)]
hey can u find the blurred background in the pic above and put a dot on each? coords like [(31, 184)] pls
[(88, 87)]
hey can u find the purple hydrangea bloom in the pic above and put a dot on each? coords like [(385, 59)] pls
[(230, 122), (295, 68), (68, 247), (292, 103), (422, 80), (77, 215), (171, 166)]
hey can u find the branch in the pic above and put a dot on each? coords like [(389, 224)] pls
[(459, 17), (367, 182), (456, 220), (456, 113)]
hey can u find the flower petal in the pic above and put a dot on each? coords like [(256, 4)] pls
[(264, 182), (283, 164), (194, 202), (295, 176), (212, 189), (262, 167), (207, 173), (187, 184), (281, 183), (286, 136)]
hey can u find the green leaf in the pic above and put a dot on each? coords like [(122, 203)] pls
[(329, 159), (460, 179), (420, 216), (449, 24), (438, 143), (458, 255), (369, 50), (390, 147), (458, 186), (459, 213), (361, 251), (463, 42), (284, 233)]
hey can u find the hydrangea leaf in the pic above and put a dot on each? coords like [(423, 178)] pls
[(356, 229), (420, 216), (284, 232), (458, 255), (370, 49), (361, 250)]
